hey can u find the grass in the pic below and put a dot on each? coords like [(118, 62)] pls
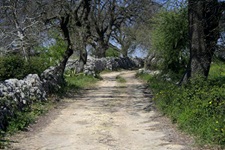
[(28, 116), (198, 108), (22, 119), (120, 79), (80, 81)]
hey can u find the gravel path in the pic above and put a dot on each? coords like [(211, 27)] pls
[(111, 116)]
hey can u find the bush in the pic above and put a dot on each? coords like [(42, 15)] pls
[(35, 65), (14, 66), (10, 67), (170, 39)]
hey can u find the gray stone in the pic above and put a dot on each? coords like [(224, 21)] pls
[(95, 65)]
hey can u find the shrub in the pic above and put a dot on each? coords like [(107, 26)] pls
[(35, 65), (14, 66), (10, 67), (170, 39)]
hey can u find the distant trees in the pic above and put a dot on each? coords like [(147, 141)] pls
[(133, 34)]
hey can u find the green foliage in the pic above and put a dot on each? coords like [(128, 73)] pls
[(120, 79), (22, 119), (35, 65), (10, 67), (198, 107), (79, 81), (170, 39), (144, 76), (54, 51), (14, 66), (112, 53)]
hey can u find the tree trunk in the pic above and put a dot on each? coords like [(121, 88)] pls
[(124, 53), (69, 51), (101, 49), (204, 19), (125, 48), (82, 60), (200, 57), (66, 56)]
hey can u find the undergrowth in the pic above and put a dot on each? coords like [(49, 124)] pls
[(22, 119), (80, 81), (198, 108)]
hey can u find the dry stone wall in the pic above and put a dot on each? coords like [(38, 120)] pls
[(15, 95), (95, 65)]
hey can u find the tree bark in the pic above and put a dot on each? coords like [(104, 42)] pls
[(204, 19), (101, 49), (82, 60)]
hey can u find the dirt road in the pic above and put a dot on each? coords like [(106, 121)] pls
[(108, 117)]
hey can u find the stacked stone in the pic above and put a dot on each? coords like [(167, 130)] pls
[(89, 67), (52, 80), (73, 65), (16, 94), (95, 66)]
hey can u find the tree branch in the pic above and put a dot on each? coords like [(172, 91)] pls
[(222, 6)]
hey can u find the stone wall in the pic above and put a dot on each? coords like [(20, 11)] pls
[(15, 95), (94, 65)]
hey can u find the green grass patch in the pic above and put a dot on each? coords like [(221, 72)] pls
[(120, 79), (80, 81), (144, 76), (198, 108), (22, 119)]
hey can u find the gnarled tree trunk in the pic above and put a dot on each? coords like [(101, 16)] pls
[(204, 19)]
